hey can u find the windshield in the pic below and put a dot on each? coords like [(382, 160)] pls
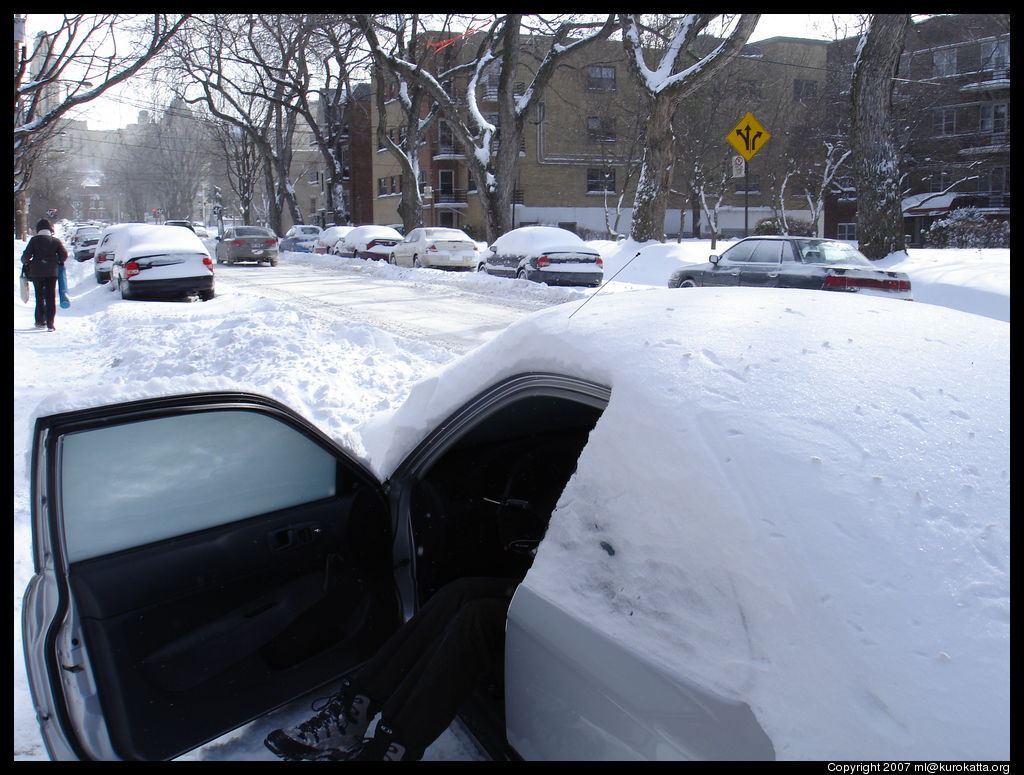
[(829, 252)]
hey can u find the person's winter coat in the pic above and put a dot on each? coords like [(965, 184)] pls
[(44, 256)]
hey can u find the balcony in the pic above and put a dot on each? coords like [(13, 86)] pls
[(985, 143), (439, 151)]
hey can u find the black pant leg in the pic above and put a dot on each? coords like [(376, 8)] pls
[(380, 677), (46, 300), (430, 695)]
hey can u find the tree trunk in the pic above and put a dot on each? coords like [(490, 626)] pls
[(655, 173), (875, 155)]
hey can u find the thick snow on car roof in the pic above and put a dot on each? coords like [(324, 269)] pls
[(528, 240), (831, 549), (147, 238)]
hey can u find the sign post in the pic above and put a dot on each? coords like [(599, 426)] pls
[(747, 137)]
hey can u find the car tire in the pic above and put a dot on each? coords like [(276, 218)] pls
[(122, 286), (481, 267), (521, 274), (273, 262), (687, 283), (206, 295), (392, 260), (416, 262)]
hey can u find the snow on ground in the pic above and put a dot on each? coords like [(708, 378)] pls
[(338, 374)]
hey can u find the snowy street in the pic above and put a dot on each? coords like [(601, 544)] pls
[(341, 341)]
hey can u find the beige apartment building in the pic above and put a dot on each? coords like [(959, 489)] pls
[(584, 139)]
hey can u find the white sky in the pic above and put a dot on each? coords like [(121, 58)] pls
[(121, 106)]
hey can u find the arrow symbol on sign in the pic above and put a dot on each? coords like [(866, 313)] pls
[(745, 134)]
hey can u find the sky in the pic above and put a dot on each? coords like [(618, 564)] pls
[(375, 392), (121, 105)]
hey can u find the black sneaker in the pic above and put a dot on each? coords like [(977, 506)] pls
[(335, 733), (381, 747)]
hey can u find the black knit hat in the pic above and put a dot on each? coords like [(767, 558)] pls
[(44, 224)]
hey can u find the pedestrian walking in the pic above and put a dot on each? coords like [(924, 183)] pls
[(42, 262)]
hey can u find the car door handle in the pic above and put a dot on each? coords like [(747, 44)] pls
[(291, 537)]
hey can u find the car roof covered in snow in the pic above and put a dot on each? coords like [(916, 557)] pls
[(831, 549)]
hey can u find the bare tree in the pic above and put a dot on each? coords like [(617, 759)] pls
[(70, 67), (875, 151), (493, 155), (679, 72), (244, 166)]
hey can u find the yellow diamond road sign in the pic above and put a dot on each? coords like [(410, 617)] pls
[(748, 137)]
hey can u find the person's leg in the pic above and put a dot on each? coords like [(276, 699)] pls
[(387, 669), (49, 289), (39, 286), (336, 731), (433, 690)]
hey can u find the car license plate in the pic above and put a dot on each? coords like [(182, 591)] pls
[(257, 251)]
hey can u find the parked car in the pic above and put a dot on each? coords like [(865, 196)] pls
[(112, 239), (247, 243), (83, 242), (720, 528), (186, 224), (794, 262), (544, 254), (162, 261), (330, 237), (370, 242), (300, 238), (201, 231), (437, 247)]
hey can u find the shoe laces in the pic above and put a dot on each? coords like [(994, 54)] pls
[(333, 717)]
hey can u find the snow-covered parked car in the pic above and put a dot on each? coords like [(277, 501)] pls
[(300, 238), (749, 524), (329, 238), (112, 239), (370, 242), (544, 254), (794, 262), (437, 247), (162, 261)]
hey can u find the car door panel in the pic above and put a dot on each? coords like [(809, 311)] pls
[(193, 633), (563, 674)]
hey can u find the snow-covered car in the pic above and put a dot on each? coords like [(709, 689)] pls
[(247, 243), (437, 247), (544, 254), (185, 224), (329, 238), (162, 261), (300, 238), (749, 524), (83, 242), (370, 242), (794, 262), (112, 239)]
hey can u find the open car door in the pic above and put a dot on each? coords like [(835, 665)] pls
[(199, 560)]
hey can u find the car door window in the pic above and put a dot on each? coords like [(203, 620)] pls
[(740, 252), (768, 252), (177, 475)]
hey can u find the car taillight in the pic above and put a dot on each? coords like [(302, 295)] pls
[(101, 258), (599, 262), (208, 263), (270, 242), (843, 282), (238, 243), (131, 269), (432, 249), (543, 261)]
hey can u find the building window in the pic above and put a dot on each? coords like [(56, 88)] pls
[(995, 117), (382, 186), (601, 129), (804, 91), (600, 180), (995, 181), (601, 78), (847, 231), (995, 54), (945, 122), (944, 62)]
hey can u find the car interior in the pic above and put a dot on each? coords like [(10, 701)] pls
[(242, 617), (483, 508)]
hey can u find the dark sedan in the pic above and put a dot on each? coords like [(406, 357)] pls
[(544, 254), (247, 243), (794, 262)]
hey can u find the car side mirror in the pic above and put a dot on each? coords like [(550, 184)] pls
[(714, 258)]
